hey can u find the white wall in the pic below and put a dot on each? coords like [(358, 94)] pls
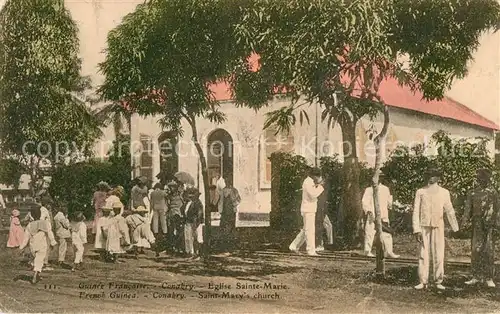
[(410, 128)]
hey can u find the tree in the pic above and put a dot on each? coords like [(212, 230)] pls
[(117, 114), (162, 59), (338, 52), (44, 113)]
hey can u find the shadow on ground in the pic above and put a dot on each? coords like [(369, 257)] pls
[(233, 266), (455, 283)]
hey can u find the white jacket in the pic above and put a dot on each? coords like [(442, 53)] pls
[(310, 193), (384, 199), (431, 203)]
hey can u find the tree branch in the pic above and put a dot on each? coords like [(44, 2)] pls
[(385, 127)]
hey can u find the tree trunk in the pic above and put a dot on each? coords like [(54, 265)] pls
[(350, 209), (379, 145), (204, 174)]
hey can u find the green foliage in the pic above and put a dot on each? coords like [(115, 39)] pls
[(337, 52), (457, 159), (40, 81), (163, 56), (75, 184), (404, 171), (289, 171), (11, 171)]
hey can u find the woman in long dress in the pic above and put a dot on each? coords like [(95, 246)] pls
[(99, 200), (231, 199)]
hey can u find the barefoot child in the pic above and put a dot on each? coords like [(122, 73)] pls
[(102, 232), (16, 231), (36, 234), (79, 238), (118, 233)]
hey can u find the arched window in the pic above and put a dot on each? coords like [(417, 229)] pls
[(146, 161), (273, 142)]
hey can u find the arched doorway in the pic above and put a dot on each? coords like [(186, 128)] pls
[(169, 157), (220, 156)]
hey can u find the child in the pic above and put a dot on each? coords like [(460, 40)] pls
[(102, 232), (16, 231), (142, 237), (114, 197), (118, 233), (36, 234), (63, 233), (79, 238)]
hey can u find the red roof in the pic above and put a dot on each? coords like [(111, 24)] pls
[(402, 97)]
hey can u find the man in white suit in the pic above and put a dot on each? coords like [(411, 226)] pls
[(431, 203), (311, 188), (385, 201)]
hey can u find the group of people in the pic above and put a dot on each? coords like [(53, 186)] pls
[(47, 226), (166, 218), (432, 203)]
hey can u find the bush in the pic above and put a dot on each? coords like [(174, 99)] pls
[(457, 159), (75, 184), (288, 172)]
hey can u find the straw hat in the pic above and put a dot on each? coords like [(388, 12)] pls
[(16, 213), (117, 205), (141, 209), (118, 191), (106, 209)]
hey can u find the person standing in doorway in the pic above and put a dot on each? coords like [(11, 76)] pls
[(385, 201), (431, 203), (231, 199), (483, 205), (312, 187)]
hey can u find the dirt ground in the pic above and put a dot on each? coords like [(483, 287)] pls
[(290, 284)]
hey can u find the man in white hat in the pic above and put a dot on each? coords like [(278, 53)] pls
[(431, 203)]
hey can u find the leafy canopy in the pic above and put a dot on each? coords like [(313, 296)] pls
[(338, 52), (164, 56), (40, 83)]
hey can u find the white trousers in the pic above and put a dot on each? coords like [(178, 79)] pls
[(370, 236), (432, 247), (39, 256), (306, 234), (189, 238), (63, 247), (159, 219), (327, 224), (78, 252)]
